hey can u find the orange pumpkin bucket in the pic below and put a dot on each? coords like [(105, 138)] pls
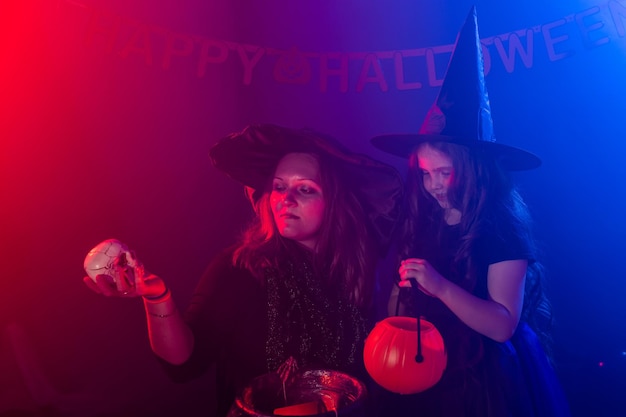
[(404, 356)]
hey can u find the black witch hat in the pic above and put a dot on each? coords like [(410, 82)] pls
[(461, 114), (251, 157)]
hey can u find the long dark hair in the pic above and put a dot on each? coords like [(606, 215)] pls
[(487, 199), (345, 255)]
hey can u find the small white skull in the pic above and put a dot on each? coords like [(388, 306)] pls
[(108, 257)]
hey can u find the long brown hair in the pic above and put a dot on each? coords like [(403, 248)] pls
[(482, 191), (345, 255)]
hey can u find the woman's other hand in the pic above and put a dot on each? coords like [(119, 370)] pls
[(132, 282)]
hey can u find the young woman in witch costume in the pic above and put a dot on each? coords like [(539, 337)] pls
[(466, 241), (298, 287)]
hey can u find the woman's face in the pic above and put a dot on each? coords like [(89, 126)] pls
[(297, 198), (437, 172)]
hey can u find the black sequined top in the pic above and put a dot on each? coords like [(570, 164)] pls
[(247, 326)]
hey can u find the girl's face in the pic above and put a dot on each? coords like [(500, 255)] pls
[(297, 198), (437, 172)]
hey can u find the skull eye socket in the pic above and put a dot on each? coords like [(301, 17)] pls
[(121, 260)]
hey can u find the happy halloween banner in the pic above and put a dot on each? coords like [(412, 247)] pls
[(404, 69)]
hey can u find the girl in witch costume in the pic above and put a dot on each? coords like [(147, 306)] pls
[(297, 289), (466, 240)]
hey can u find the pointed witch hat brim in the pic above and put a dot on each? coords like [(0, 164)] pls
[(461, 114)]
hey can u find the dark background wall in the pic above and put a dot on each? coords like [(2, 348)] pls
[(109, 109)]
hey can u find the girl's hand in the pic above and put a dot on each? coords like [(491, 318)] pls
[(429, 280)]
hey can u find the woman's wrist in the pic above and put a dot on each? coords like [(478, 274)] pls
[(160, 306), (164, 315), (159, 297)]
